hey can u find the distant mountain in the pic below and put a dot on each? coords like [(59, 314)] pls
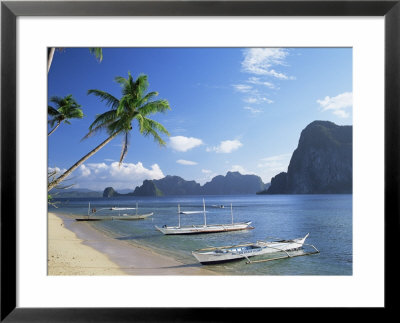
[(175, 185), (110, 192), (321, 164), (232, 183), (148, 188)]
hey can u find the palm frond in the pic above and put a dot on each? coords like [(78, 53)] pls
[(93, 131), (67, 108), (52, 111), (122, 81), (158, 126), (151, 127), (116, 126), (154, 107), (75, 114), (140, 86), (155, 135), (124, 104), (109, 99), (59, 101), (98, 52), (147, 97), (103, 119), (140, 120)]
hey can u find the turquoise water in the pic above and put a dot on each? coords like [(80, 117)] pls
[(328, 219)]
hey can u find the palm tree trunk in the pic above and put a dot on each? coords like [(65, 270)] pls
[(50, 52), (81, 161), (58, 124)]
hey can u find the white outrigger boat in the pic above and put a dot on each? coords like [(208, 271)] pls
[(92, 216), (244, 251), (204, 228)]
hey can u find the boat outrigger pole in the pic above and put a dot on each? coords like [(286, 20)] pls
[(287, 254)]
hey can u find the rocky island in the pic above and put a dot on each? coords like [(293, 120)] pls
[(321, 164)]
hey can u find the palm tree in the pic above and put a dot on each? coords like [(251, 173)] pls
[(66, 108), (96, 51), (134, 105)]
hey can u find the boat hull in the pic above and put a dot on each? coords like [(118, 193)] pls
[(230, 253), (113, 217), (200, 229)]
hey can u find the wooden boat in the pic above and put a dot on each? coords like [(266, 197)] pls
[(92, 216), (244, 251), (218, 206), (124, 217), (205, 228)]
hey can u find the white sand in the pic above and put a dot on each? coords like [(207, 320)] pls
[(87, 251)]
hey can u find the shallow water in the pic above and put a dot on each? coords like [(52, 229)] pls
[(328, 219)]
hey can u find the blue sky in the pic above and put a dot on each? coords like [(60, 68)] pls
[(233, 109)]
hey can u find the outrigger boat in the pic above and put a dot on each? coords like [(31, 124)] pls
[(92, 216), (205, 228), (244, 251), (219, 206)]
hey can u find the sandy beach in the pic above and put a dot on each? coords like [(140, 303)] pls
[(75, 248)]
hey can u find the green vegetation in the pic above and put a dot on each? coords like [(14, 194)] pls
[(66, 109)]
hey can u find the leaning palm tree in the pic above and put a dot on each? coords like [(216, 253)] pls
[(134, 105), (66, 109)]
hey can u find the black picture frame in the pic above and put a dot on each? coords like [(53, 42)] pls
[(11, 10)]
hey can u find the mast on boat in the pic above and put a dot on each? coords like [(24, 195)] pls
[(231, 214), (205, 216), (179, 216), (88, 211)]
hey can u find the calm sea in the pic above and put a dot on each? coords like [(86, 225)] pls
[(328, 219)]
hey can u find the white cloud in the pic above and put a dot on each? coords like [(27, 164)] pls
[(56, 169), (240, 169), (186, 162), (253, 110), (338, 104), (257, 100), (135, 171), (242, 88), (260, 61), (258, 81), (226, 146), (96, 168), (272, 166), (85, 171), (97, 176), (182, 143), (206, 177)]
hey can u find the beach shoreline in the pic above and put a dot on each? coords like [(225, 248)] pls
[(76, 248)]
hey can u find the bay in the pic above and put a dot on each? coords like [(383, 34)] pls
[(328, 219)]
